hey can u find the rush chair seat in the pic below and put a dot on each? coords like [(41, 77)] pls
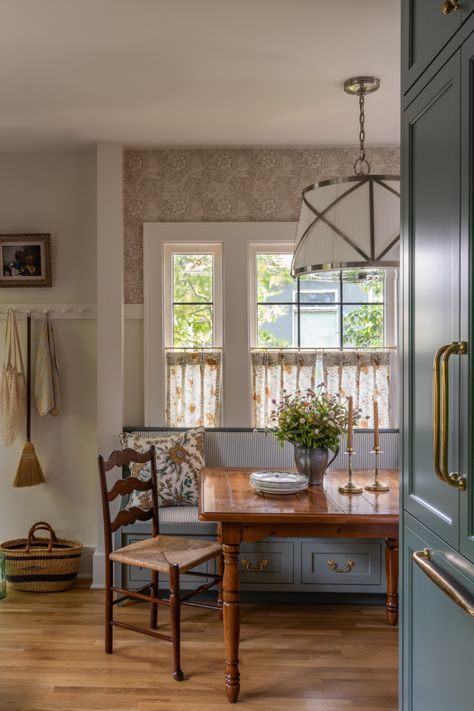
[(172, 555)]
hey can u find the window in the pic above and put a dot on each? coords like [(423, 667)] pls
[(341, 309), (329, 326), (193, 309), (193, 333)]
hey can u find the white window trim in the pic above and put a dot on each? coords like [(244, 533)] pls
[(169, 250)]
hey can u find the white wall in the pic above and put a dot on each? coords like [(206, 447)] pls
[(56, 193)]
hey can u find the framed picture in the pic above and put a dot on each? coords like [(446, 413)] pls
[(25, 260)]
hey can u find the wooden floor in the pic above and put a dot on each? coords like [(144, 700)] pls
[(294, 658)]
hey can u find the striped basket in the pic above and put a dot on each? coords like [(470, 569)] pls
[(41, 564)]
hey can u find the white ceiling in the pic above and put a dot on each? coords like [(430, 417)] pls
[(195, 72)]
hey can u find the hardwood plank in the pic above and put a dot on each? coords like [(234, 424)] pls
[(303, 657)]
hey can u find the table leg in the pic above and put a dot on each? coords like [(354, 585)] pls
[(391, 563), (231, 610)]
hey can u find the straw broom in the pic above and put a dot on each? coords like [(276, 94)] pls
[(29, 472)]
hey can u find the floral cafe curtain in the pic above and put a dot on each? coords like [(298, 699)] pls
[(363, 374), (276, 373), (193, 388)]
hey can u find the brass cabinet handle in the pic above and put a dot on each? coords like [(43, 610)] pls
[(349, 565), (448, 585), (262, 564), (441, 413), (450, 6)]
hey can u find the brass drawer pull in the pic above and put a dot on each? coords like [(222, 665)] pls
[(333, 565), (450, 6), (448, 585), (262, 564)]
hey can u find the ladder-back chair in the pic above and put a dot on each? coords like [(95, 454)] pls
[(172, 555)]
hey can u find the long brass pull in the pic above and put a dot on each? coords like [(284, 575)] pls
[(333, 565), (437, 411), (441, 413), (448, 585), (450, 6), (262, 564)]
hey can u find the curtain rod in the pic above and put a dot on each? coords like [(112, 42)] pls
[(317, 350), (195, 348)]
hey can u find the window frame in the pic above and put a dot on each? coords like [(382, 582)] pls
[(169, 250)]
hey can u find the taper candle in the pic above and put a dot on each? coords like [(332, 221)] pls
[(376, 424), (349, 422)]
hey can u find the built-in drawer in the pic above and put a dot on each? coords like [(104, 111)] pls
[(341, 562), (135, 577), (267, 562)]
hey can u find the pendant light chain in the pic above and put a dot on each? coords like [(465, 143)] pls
[(362, 165)]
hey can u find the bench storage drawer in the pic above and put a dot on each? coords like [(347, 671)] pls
[(267, 561), (341, 562)]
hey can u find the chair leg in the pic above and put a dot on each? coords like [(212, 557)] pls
[(220, 571), (109, 608), (175, 609), (154, 605)]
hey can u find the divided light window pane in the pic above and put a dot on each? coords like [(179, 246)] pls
[(193, 307), (323, 310)]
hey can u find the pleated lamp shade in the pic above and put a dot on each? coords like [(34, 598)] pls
[(349, 223)]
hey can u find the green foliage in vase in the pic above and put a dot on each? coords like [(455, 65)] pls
[(312, 418)]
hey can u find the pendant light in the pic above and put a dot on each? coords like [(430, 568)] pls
[(353, 222)]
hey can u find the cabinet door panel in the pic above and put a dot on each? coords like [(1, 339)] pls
[(420, 47), (431, 165), (467, 297), (438, 636)]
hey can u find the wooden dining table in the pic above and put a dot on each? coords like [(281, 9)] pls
[(244, 515)]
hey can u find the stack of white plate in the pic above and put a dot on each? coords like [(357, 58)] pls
[(278, 482)]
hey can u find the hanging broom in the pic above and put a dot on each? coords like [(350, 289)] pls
[(29, 472)]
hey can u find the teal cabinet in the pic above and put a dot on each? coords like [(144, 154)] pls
[(437, 634), (438, 647), (425, 31), (431, 187), (467, 297)]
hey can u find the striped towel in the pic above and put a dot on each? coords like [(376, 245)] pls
[(47, 393)]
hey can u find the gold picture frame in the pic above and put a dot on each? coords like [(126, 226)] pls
[(25, 260)]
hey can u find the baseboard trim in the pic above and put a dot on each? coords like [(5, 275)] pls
[(98, 571)]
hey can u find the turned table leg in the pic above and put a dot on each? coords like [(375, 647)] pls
[(391, 563), (231, 612)]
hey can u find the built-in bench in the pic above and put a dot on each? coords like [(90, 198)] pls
[(292, 563)]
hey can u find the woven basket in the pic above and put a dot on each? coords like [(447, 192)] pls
[(41, 564)]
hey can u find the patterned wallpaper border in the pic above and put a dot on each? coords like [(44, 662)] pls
[(224, 185)]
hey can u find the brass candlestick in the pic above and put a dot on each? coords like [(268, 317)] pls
[(350, 487), (377, 485)]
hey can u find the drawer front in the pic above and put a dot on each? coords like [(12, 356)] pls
[(341, 562), (134, 576), (266, 562)]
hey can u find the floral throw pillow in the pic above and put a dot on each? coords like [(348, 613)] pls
[(179, 460)]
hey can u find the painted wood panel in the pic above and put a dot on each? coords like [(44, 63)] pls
[(431, 291)]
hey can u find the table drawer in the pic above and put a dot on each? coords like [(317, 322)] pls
[(134, 576), (341, 562), (267, 562)]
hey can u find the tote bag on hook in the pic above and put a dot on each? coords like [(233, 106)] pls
[(12, 385)]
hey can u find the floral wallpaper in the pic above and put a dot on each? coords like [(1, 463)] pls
[(227, 185)]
